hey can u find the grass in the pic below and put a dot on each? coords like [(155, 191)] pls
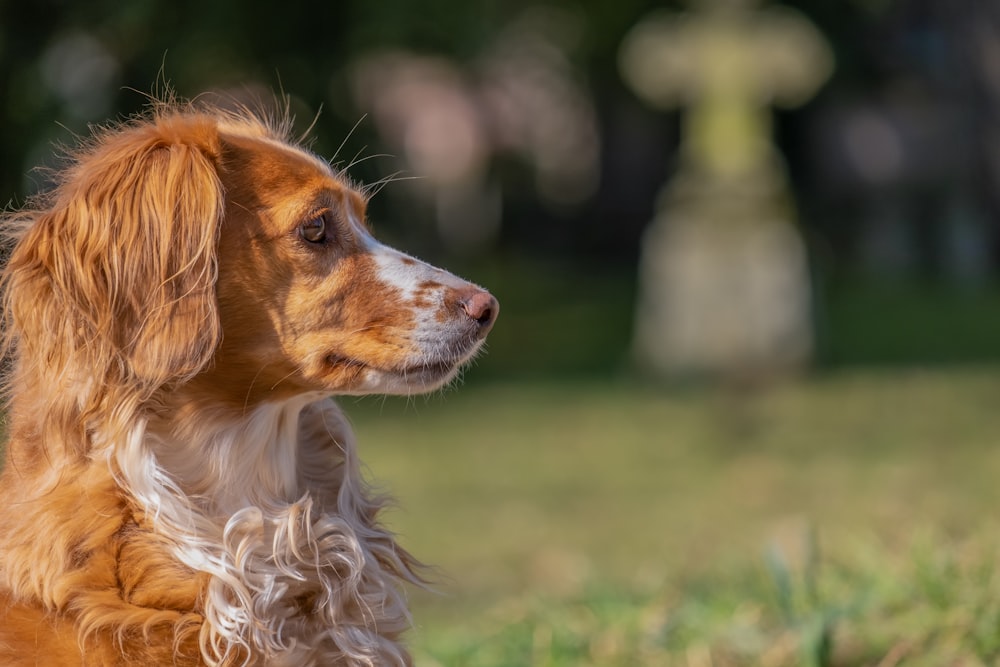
[(846, 520)]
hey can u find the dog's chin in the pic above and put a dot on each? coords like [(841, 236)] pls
[(416, 380), (413, 378)]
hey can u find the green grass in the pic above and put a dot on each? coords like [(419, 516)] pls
[(846, 520)]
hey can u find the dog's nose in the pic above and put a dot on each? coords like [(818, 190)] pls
[(482, 307)]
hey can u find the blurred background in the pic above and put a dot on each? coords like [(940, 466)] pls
[(592, 495)]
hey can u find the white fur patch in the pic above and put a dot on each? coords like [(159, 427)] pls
[(282, 531)]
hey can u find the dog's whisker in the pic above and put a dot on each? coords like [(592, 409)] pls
[(376, 187), (312, 125), (356, 159), (347, 138), (359, 160), (283, 378), (246, 398)]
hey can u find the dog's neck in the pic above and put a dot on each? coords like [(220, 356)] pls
[(228, 459), (272, 506)]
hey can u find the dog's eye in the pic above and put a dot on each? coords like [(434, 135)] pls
[(314, 229)]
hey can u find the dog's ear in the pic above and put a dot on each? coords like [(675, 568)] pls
[(115, 277)]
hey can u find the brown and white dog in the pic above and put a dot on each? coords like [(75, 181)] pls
[(179, 489)]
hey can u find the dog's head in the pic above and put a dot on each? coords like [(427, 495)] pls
[(204, 247), (310, 300)]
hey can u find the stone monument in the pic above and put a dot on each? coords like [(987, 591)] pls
[(724, 281)]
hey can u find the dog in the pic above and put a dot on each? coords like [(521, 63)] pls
[(180, 488)]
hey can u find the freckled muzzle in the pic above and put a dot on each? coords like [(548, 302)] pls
[(421, 325), (452, 325)]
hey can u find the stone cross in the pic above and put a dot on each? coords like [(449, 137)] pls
[(724, 283)]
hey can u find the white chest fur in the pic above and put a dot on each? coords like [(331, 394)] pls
[(273, 507)]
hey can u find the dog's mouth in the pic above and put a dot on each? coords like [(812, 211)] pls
[(417, 375)]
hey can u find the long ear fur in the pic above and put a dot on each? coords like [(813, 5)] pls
[(110, 287)]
